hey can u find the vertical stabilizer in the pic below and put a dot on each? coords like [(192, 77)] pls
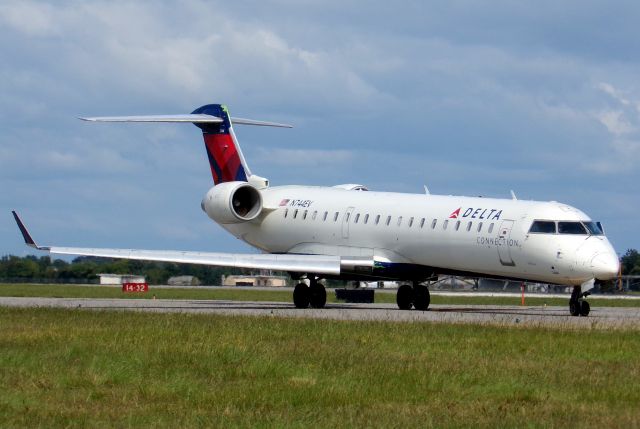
[(225, 157)]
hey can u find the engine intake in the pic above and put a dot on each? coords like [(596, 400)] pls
[(232, 202)]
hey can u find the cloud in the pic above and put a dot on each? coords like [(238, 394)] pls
[(29, 18), (616, 122)]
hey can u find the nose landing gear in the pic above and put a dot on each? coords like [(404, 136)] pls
[(578, 306)]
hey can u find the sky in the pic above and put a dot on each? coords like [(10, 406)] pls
[(467, 97)]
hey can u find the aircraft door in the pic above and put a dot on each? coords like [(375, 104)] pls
[(345, 222), (504, 250)]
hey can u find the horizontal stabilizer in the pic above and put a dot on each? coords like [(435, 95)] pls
[(185, 118), (244, 121), (194, 119)]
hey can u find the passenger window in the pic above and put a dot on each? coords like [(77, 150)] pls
[(377, 219), (346, 217), (444, 225), (313, 216), (434, 223), (366, 218), (543, 227), (324, 217), (480, 227), (571, 228), (295, 214), (469, 226), (490, 228), (388, 220), (356, 219), (399, 220), (457, 225), (304, 215), (286, 212), (422, 223), (411, 222), (335, 217)]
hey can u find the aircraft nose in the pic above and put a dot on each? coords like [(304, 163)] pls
[(605, 266)]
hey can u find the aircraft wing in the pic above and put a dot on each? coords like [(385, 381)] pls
[(320, 264)]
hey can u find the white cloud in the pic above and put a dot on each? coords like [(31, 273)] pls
[(614, 93), (616, 122), (29, 18)]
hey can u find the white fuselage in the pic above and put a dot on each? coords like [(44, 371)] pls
[(484, 236)]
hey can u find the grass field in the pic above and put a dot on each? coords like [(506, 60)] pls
[(283, 295), (74, 368)]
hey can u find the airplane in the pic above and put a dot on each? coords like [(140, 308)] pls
[(348, 232)]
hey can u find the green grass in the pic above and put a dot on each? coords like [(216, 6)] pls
[(283, 295), (75, 368)]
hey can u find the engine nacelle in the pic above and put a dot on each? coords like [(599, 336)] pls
[(232, 202)]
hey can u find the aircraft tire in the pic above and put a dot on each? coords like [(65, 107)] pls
[(404, 297), (585, 308), (301, 295), (317, 295), (574, 307), (421, 297)]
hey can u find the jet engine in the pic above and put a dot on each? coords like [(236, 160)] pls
[(232, 202)]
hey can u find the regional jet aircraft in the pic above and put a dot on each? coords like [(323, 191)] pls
[(348, 232)]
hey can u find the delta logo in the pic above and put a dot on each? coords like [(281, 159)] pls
[(476, 213)]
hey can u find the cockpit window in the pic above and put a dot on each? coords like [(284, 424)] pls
[(571, 228), (594, 228), (543, 226)]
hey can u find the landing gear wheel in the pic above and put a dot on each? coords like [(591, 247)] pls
[(421, 297), (404, 297), (317, 295), (301, 295), (574, 302), (574, 307), (585, 308)]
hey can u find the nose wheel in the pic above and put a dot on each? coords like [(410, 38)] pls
[(578, 306)]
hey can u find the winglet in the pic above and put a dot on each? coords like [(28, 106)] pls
[(25, 233)]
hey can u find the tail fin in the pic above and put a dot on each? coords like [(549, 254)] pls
[(225, 157)]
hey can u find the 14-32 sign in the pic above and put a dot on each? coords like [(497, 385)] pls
[(135, 287)]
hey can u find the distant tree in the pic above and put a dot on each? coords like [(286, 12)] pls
[(23, 268), (631, 262)]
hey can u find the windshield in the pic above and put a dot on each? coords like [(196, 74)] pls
[(594, 228), (571, 228), (543, 226)]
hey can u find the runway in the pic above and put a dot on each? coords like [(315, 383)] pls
[(600, 317)]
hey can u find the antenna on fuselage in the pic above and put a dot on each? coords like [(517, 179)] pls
[(513, 195), (426, 190)]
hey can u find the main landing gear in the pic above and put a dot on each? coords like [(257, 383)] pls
[(577, 304), (417, 296), (313, 295)]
